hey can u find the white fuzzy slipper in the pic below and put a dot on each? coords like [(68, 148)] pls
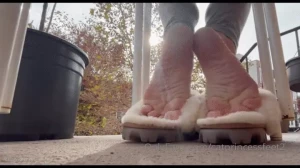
[(242, 127), (137, 127)]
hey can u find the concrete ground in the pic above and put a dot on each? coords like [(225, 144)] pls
[(112, 150)]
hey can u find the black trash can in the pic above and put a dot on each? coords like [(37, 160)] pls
[(293, 71), (47, 91)]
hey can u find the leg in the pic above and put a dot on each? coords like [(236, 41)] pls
[(228, 19), (229, 87), (170, 86)]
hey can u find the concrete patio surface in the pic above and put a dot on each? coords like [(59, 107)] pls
[(112, 150)]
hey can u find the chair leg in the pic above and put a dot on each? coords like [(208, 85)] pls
[(282, 86), (14, 65), (9, 17)]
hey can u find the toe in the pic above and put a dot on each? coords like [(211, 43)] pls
[(154, 114), (252, 103), (172, 115), (146, 109), (217, 107)]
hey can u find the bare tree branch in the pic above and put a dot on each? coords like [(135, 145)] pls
[(51, 17), (43, 18)]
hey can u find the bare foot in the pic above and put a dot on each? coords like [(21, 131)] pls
[(229, 87), (170, 86)]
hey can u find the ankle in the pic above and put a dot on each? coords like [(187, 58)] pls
[(229, 43)]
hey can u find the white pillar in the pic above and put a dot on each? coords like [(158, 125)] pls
[(137, 56), (280, 73), (9, 17), (146, 47), (13, 69), (263, 47)]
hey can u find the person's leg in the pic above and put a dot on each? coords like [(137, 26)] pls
[(173, 13), (228, 19), (229, 87), (170, 86)]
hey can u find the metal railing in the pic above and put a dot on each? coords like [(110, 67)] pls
[(265, 18), (245, 57)]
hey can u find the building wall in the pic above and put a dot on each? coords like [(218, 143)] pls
[(255, 72)]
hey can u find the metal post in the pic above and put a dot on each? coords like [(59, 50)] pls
[(146, 46), (297, 40), (281, 78), (296, 111), (247, 66), (9, 17), (13, 69), (263, 46), (137, 57)]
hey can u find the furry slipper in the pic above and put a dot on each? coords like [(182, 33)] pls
[(137, 127), (242, 127)]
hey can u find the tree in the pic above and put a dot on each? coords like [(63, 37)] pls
[(107, 37), (107, 89), (43, 17), (51, 17)]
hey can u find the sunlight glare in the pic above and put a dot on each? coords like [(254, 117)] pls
[(154, 40)]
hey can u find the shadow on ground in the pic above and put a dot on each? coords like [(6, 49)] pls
[(112, 150), (194, 153)]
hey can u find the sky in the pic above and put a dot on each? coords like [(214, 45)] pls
[(288, 18)]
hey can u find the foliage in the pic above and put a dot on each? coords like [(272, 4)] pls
[(107, 37), (51, 17), (198, 78)]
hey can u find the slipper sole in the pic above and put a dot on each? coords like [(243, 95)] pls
[(237, 133), (146, 134)]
